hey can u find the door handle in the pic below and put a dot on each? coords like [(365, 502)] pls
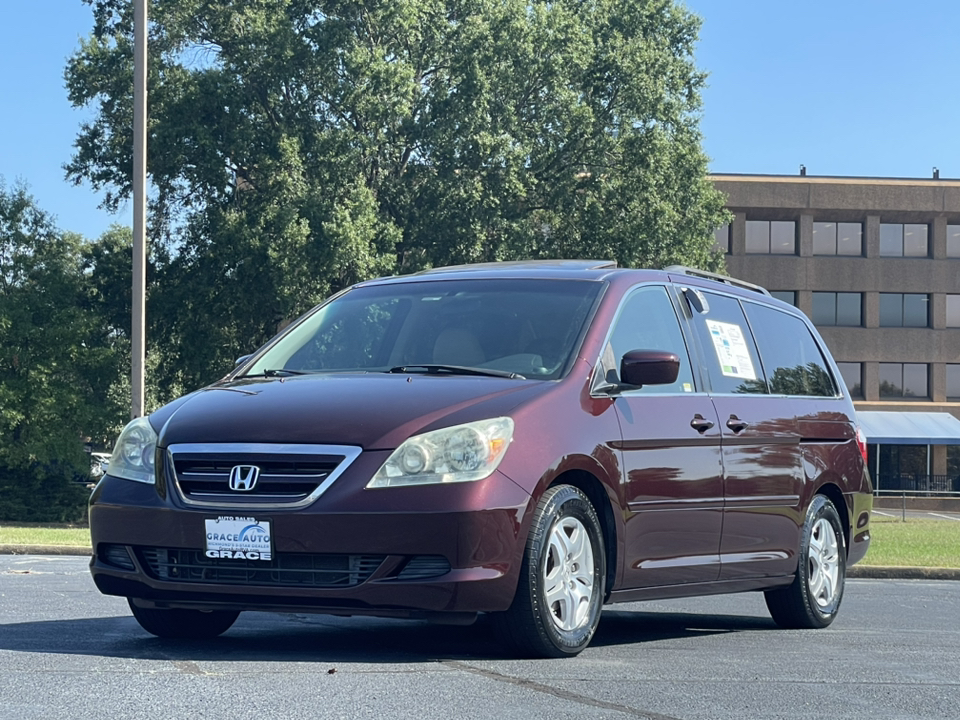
[(700, 423), (736, 424)]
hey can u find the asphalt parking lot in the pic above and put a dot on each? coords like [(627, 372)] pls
[(916, 514), (66, 651)]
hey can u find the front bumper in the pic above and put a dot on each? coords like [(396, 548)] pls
[(472, 534)]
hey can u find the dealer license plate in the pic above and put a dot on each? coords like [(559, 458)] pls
[(238, 538)]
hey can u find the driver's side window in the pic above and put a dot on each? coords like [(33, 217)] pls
[(648, 321)]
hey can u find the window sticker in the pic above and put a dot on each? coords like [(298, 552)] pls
[(732, 350)]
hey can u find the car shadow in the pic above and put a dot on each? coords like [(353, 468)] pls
[(625, 627), (265, 637)]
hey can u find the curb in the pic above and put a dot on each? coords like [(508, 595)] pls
[(45, 550), (881, 572), (872, 572)]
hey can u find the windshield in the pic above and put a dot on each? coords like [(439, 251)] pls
[(526, 327)]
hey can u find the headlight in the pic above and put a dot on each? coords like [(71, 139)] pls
[(133, 455), (462, 453)]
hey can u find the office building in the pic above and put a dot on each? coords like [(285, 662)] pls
[(875, 263)]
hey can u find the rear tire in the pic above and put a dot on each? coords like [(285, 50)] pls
[(556, 609), (812, 601), (183, 624)]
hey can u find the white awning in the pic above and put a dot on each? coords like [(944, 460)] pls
[(910, 428)]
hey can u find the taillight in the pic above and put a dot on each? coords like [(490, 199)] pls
[(862, 443)]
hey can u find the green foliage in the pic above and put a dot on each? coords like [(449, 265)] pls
[(57, 363), (297, 147), (42, 494)]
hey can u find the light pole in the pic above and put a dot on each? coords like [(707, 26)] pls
[(138, 350)]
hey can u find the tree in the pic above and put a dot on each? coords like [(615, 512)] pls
[(297, 147), (57, 364), (108, 277)]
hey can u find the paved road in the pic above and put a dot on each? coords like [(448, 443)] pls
[(917, 514), (68, 652)]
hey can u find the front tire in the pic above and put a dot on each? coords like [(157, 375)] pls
[(812, 601), (183, 624), (556, 609)]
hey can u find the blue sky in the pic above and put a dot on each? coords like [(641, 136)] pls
[(846, 87), (37, 124)]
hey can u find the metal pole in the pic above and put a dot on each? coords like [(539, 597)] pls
[(138, 334), (877, 476)]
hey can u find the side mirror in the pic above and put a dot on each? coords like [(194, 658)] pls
[(242, 359), (649, 367)]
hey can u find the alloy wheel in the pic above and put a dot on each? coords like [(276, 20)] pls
[(568, 577), (824, 563)]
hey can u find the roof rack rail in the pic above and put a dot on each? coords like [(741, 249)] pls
[(558, 264), (707, 275)]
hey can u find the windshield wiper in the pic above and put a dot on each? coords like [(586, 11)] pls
[(283, 372), (434, 369)]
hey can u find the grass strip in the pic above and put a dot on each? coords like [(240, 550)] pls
[(70, 536), (918, 542)]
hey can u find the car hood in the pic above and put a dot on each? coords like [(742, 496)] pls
[(373, 411)]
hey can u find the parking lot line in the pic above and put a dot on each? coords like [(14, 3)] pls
[(945, 517)]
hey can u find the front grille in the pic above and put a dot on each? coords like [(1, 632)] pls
[(287, 475), (284, 570), (280, 480)]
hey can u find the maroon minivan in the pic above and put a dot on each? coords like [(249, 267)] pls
[(530, 440)]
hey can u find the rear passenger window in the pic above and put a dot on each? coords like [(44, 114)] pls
[(728, 350), (791, 359), (648, 321)]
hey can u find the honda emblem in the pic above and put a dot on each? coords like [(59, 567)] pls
[(243, 478)]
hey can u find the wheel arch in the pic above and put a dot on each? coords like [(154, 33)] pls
[(599, 497), (833, 492)]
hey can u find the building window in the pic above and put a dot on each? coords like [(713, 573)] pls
[(771, 237), (904, 310), (898, 467), (903, 380), (852, 374), (953, 240), (837, 238), (907, 240), (831, 308), (721, 239), (953, 382), (953, 460), (953, 311), (788, 296)]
